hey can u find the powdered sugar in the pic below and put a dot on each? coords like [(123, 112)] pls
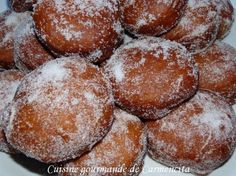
[(136, 75), (198, 27), (55, 72), (214, 118), (81, 27), (149, 17), (118, 71), (217, 67), (71, 107), (28, 51), (124, 145), (226, 18), (145, 19), (127, 38), (9, 81), (12, 20), (9, 24), (194, 134)]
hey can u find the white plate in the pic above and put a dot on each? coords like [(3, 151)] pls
[(18, 165)]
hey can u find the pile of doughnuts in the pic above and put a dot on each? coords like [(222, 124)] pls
[(96, 85)]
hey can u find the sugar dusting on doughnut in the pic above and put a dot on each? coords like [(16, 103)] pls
[(227, 54), (127, 38), (152, 18), (89, 28), (28, 51), (23, 30), (200, 134), (217, 67), (60, 110), (198, 27), (123, 146), (140, 68), (226, 18), (4, 145), (145, 45), (12, 21), (92, 8), (9, 81), (9, 21)]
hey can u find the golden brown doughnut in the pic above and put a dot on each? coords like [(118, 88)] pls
[(151, 76), (60, 110), (198, 27), (9, 81), (22, 5), (200, 134), (28, 51), (151, 17), (217, 70), (120, 153), (89, 28), (8, 23), (226, 18)]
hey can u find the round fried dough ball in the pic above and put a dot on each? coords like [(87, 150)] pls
[(29, 53), (124, 146), (226, 18), (89, 28), (198, 27), (151, 76), (200, 134), (217, 70), (151, 17), (60, 110)]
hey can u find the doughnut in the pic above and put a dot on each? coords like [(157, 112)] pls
[(91, 28), (60, 110), (151, 17), (200, 134), (123, 147), (198, 27), (226, 18), (28, 51), (9, 21), (22, 5), (151, 76), (9, 81), (217, 70)]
